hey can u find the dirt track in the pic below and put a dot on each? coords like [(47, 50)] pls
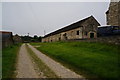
[(25, 68), (60, 70)]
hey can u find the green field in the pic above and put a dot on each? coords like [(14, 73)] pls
[(9, 56), (93, 60)]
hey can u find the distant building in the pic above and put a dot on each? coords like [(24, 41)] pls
[(17, 39), (113, 14), (7, 38), (86, 28)]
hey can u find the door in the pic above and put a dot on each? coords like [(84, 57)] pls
[(91, 35)]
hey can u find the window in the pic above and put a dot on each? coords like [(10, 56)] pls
[(115, 27), (78, 32), (59, 38), (65, 34)]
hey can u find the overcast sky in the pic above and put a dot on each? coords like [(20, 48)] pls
[(35, 17)]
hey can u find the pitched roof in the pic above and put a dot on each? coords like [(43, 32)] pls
[(69, 27), (5, 32)]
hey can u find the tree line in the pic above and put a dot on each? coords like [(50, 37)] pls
[(28, 38)]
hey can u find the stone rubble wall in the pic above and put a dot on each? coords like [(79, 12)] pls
[(113, 15), (109, 39)]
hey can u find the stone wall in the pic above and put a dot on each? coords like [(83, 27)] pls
[(110, 40), (113, 14), (71, 34)]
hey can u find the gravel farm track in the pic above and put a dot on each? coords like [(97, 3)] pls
[(26, 69)]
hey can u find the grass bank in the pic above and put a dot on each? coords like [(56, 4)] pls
[(93, 60), (9, 57), (41, 67)]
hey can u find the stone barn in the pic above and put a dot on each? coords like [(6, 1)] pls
[(86, 28), (113, 14), (7, 38)]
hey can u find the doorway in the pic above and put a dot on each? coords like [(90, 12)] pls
[(59, 39), (91, 35)]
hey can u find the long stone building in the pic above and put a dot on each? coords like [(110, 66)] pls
[(113, 14), (86, 28)]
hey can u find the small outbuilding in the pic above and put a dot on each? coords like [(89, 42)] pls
[(17, 39), (6, 38)]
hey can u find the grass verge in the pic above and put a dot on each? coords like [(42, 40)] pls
[(42, 67), (93, 60), (9, 57)]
